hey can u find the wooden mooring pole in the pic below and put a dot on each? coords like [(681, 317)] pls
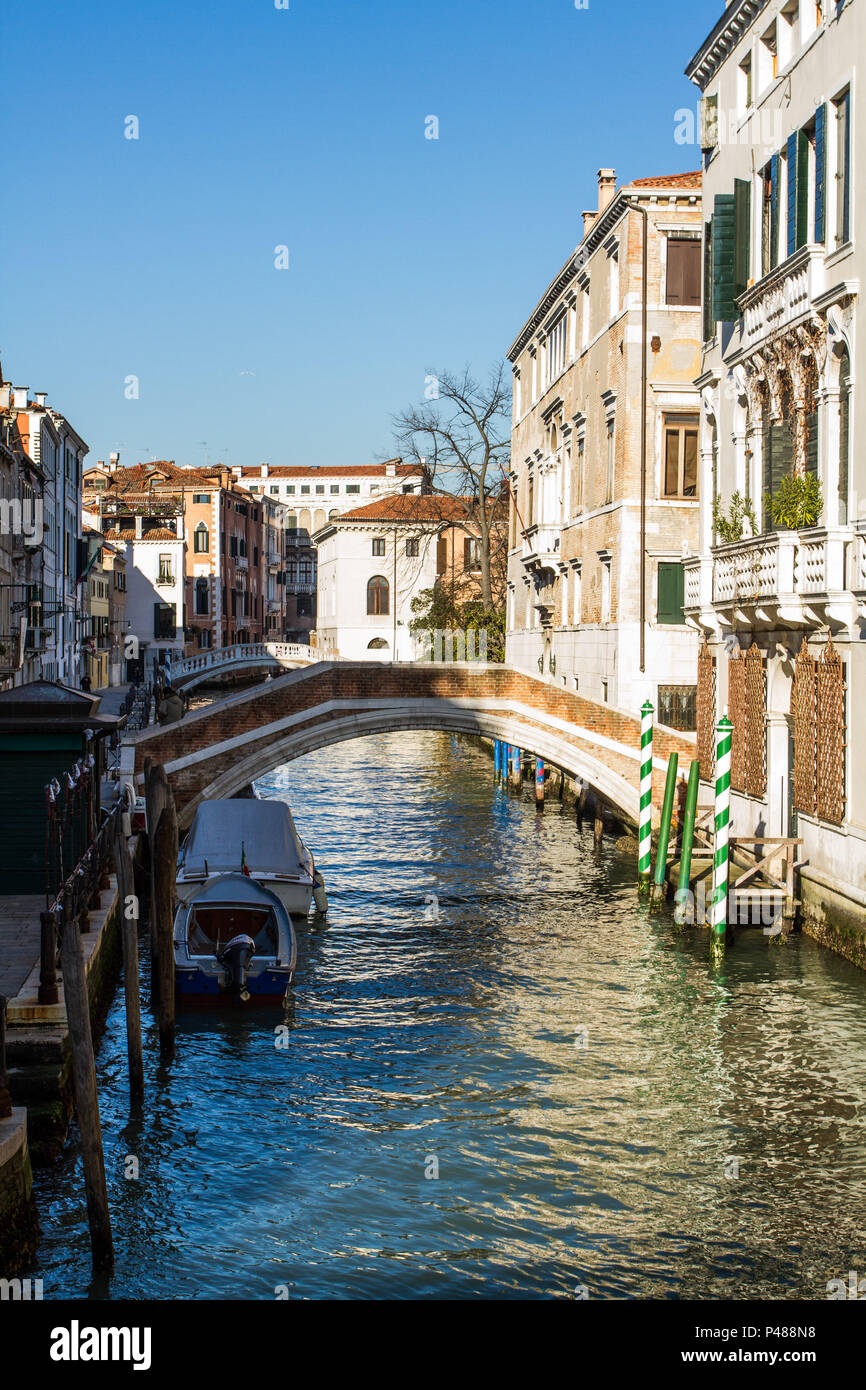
[(598, 823), (163, 855), (129, 913), (539, 784), (84, 1081)]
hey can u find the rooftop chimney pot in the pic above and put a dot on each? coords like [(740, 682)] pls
[(19, 397), (606, 188)]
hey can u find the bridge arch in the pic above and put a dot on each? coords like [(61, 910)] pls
[(217, 750)]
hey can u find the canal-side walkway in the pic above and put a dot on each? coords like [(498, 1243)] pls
[(19, 939)]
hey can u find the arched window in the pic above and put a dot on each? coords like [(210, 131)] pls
[(378, 644), (844, 446), (333, 514), (201, 539), (201, 597), (378, 595)]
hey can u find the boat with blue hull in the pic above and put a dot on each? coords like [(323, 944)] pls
[(243, 874)]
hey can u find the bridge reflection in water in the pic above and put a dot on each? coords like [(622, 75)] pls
[(488, 1003)]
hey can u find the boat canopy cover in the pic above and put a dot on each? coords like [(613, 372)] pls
[(262, 832)]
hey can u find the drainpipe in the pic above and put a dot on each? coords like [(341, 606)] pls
[(635, 207)]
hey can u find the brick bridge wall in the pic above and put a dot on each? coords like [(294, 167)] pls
[(372, 682)]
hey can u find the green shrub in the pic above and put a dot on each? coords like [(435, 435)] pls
[(797, 502), (730, 526)]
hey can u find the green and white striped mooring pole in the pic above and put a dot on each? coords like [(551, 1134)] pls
[(719, 907), (645, 815)]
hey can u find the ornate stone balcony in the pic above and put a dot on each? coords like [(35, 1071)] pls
[(782, 297), (540, 548), (781, 579)]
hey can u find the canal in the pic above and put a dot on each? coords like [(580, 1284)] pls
[(500, 1079)]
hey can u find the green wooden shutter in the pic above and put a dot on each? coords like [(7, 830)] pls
[(802, 188), (820, 173), (843, 165), (844, 414), (724, 237), (792, 193), (709, 320), (775, 170), (743, 232), (778, 462), (671, 582)]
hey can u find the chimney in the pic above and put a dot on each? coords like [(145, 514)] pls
[(588, 221), (41, 397), (263, 469), (606, 188), (19, 397), (236, 470), (391, 469), (113, 462), (5, 395)]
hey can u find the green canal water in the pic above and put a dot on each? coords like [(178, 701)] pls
[(501, 1079)]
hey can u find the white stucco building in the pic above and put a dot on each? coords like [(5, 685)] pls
[(373, 561)]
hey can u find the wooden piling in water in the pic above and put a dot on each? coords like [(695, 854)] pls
[(539, 784), (163, 842), (129, 939), (658, 885), (84, 1081), (598, 822)]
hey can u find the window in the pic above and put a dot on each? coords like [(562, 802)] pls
[(291, 522), (290, 489), (201, 498), (844, 434), (745, 83), (671, 592), (605, 590), (677, 707), (165, 571), (353, 487), (683, 281), (407, 488), (164, 621), (335, 489), (305, 489), (471, 553), (304, 605), (413, 547), (275, 489), (580, 480), (843, 168), (556, 344), (680, 456), (441, 555), (201, 597), (609, 465), (768, 62), (320, 488), (378, 596), (378, 545), (200, 539)]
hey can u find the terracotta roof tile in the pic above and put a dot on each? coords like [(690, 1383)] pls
[(689, 180), (410, 506)]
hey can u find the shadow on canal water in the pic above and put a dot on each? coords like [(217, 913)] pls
[(500, 1078)]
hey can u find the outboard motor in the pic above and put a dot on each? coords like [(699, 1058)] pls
[(236, 956)]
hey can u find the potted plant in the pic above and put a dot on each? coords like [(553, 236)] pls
[(797, 502), (738, 523)]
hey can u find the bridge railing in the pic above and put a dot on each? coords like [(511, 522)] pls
[(241, 653)]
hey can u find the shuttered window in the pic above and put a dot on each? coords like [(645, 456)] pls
[(820, 173), (671, 592), (709, 318), (778, 448), (742, 235), (683, 280), (724, 241), (775, 175), (844, 414), (843, 169)]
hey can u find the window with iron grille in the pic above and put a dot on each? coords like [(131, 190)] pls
[(677, 707)]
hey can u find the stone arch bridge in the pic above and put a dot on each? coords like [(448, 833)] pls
[(214, 752)]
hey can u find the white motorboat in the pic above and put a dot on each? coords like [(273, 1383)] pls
[(252, 837), (233, 942)]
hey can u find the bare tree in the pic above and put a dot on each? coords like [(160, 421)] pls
[(460, 439)]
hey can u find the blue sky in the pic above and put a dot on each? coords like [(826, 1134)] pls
[(305, 127)]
